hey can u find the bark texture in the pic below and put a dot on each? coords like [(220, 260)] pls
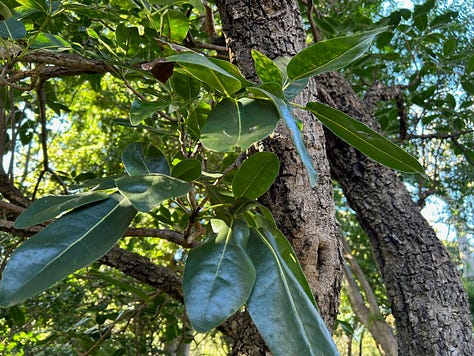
[(428, 300), (305, 215)]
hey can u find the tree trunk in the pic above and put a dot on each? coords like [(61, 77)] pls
[(305, 215), (428, 301)]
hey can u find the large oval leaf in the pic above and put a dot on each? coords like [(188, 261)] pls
[(256, 175), (280, 307), (207, 71), (218, 276), (265, 222), (238, 123), (71, 242), (140, 158), (366, 140), (188, 169), (266, 69), (49, 207), (175, 25), (329, 55), (12, 29), (148, 191)]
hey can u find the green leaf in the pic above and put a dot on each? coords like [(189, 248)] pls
[(218, 276), (256, 175), (127, 38), (17, 315), (49, 207), (285, 112), (468, 84), (34, 4), (267, 226), (366, 140), (207, 71), (71, 242), (49, 41), (424, 8), (175, 25), (148, 191), (242, 205), (238, 123), (185, 86), (140, 158), (329, 55), (290, 88), (141, 110), (196, 119), (266, 69), (444, 19), (12, 29), (233, 70), (279, 306), (188, 170), (196, 3)]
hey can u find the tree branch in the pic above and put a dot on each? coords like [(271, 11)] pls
[(378, 92), (144, 270), (370, 316)]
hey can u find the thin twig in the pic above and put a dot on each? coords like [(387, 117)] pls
[(44, 138), (314, 28), (13, 134)]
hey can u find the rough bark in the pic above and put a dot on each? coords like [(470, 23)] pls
[(428, 301), (305, 215)]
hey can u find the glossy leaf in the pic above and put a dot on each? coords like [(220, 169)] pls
[(127, 38), (185, 86), (49, 207), (196, 3), (207, 71), (329, 55), (71, 242), (101, 183), (267, 226), (232, 70), (196, 119), (175, 25), (366, 140), (141, 110), (256, 175), (140, 158), (266, 69), (238, 123), (424, 8), (290, 88), (279, 306), (296, 135), (188, 170), (148, 191), (218, 276), (12, 29), (34, 4), (49, 41)]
